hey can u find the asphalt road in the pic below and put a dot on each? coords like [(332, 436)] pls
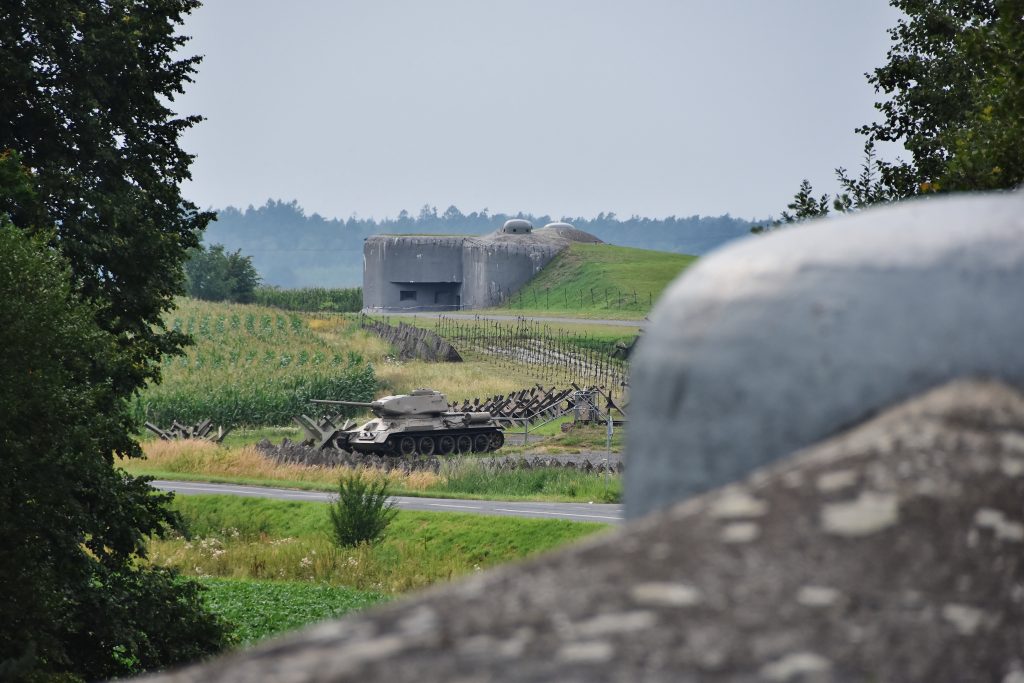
[(574, 512), (512, 318)]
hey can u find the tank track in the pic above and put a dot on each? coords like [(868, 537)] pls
[(437, 442)]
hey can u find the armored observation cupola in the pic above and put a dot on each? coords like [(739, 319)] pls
[(517, 226)]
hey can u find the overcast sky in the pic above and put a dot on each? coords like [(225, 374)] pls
[(560, 107)]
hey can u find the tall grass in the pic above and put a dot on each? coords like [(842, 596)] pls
[(249, 538), (469, 477), (478, 378), (205, 460), (311, 299), (458, 478)]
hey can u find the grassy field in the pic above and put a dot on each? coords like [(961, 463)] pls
[(460, 478), (599, 280), (270, 566), (259, 539), (583, 335), (478, 378), (549, 353)]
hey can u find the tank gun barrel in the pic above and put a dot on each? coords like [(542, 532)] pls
[(357, 404)]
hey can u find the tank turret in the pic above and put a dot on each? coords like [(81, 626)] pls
[(418, 423), (416, 402)]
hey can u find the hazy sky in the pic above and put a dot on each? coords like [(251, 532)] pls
[(564, 107)]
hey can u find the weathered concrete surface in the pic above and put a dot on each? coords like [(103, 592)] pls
[(431, 266), (777, 342), (451, 272), (893, 552)]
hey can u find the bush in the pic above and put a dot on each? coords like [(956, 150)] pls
[(215, 274), (362, 511)]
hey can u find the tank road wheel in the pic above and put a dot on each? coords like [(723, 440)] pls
[(426, 445), (464, 443), (445, 445), (497, 440), (407, 445), (480, 443)]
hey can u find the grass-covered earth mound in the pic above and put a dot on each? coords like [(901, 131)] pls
[(600, 280)]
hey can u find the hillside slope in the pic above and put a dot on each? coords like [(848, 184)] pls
[(600, 280)]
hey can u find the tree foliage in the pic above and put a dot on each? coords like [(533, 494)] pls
[(93, 235), (73, 597), (215, 274), (953, 87), (85, 99), (954, 82)]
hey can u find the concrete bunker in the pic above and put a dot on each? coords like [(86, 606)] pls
[(445, 273)]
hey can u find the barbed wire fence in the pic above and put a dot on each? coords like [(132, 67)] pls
[(552, 354), (542, 351)]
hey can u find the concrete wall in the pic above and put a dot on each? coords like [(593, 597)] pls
[(495, 268), (445, 272), (429, 266)]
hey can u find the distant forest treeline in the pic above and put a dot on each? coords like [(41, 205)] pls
[(291, 249)]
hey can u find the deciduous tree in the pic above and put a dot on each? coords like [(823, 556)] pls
[(85, 98), (93, 234), (953, 87), (215, 274)]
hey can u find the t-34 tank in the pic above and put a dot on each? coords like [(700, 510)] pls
[(418, 422)]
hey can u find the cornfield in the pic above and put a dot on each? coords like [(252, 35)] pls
[(254, 366), (311, 299)]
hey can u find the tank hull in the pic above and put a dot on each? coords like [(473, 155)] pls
[(425, 441)]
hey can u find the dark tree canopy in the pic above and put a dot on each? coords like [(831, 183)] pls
[(93, 234), (73, 598), (84, 98)]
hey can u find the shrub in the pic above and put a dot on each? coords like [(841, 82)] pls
[(362, 511)]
